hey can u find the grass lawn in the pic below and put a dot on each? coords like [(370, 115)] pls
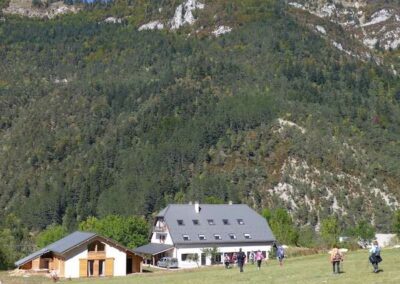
[(309, 269)]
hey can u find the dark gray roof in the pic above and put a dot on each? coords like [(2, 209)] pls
[(60, 246), (34, 255), (70, 241), (152, 249), (254, 224)]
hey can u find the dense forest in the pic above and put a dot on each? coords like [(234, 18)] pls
[(101, 119)]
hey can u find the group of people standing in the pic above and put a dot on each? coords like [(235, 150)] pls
[(254, 257), (374, 258), (336, 258)]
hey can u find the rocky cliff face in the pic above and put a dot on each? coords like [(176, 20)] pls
[(376, 26), (25, 8)]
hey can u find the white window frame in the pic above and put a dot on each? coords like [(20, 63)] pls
[(202, 237)]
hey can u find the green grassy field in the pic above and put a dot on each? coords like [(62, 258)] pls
[(310, 269)]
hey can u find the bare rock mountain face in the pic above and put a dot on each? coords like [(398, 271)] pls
[(39, 9), (374, 25)]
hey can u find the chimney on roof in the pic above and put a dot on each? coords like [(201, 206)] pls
[(197, 207), (230, 202)]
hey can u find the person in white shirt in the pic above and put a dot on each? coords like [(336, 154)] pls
[(375, 256)]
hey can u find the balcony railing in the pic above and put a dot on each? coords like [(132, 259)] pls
[(160, 229)]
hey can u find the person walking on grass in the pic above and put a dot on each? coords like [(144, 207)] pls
[(280, 254), (336, 258), (259, 258), (227, 260), (252, 257), (375, 256), (240, 259)]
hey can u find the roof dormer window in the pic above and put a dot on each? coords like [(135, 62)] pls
[(225, 221), (180, 222), (240, 221), (186, 237), (202, 237), (196, 222), (210, 222), (232, 236), (217, 237), (247, 236)]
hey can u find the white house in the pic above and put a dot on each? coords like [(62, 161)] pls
[(190, 231), (83, 254)]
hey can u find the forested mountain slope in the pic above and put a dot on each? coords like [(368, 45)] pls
[(101, 117)]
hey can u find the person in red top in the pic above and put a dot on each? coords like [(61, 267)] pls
[(259, 259)]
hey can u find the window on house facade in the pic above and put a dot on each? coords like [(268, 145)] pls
[(202, 237), (196, 222), (180, 222), (247, 236), (217, 237), (186, 237), (96, 246), (232, 236), (225, 221), (188, 256), (210, 222), (240, 221)]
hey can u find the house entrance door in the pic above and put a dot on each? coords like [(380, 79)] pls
[(203, 259)]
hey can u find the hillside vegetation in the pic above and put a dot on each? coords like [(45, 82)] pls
[(99, 118)]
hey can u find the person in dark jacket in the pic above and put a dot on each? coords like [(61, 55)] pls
[(240, 259)]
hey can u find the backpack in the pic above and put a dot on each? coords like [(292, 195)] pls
[(241, 256), (337, 257), (280, 252)]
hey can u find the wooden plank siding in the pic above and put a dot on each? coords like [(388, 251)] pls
[(83, 268), (109, 267), (137, 264)]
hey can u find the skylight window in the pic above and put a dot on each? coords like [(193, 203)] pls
[(202, 237), (232, 236), (186, 237), (210, 222), (196, 222), (247, 236), (225, 221), (217, 237), (240, 221), (181, 223)]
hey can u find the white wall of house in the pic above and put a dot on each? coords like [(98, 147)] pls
[(190, 264), (155, 240), (119, 260), (72, 263)]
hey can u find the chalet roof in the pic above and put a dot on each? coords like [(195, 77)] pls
[(152, 249), (70, 242), (243, 223), (34, 255)]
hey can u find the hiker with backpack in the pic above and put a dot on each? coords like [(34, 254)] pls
[(336, 258), (240, 259), (375, 256), (280, 254)]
